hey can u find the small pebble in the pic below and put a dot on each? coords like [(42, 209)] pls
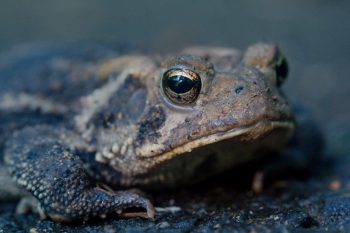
[(335, 185), (171, 209), (163, 225)]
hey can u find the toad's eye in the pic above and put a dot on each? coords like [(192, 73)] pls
[(181, 86), (281, 70)]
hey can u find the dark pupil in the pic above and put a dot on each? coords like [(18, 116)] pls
[(179, 84)]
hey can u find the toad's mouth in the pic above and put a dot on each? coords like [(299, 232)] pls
[(249, 133), (220, 151)]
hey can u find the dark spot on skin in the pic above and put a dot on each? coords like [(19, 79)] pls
[(129, 102), (108, 118), (149, 125), (239, 89)]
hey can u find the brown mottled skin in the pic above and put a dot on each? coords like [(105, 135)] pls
[(75, 123)]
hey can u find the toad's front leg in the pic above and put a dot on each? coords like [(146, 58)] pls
[(41, 162)]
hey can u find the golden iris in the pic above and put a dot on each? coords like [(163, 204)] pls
[(181, 86)]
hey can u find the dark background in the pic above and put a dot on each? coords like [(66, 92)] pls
[(313, 34)]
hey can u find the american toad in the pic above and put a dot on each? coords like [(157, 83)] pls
[(76, 121)]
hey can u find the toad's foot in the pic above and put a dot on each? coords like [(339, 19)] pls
[(56, 176)]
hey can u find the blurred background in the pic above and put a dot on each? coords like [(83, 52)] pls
[(314, 35)]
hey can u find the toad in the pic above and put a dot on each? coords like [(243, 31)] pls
[(77, 124)]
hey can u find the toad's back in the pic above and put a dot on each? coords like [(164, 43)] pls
[(39, 83), (58, 72)]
